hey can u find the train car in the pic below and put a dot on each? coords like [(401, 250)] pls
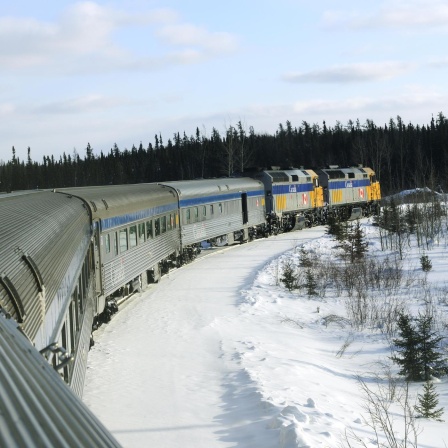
[(36, 408), (136, 232), (293, 198), (350, 193), (221, 211), (46, 276)]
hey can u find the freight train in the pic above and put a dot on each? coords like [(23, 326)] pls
[(66, 254)]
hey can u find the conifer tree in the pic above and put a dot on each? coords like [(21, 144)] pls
[(430, 358), (334, 228), (358, 242), (418, 354), (407, 346), (353, 243), (289, 279), (425, 263), (310, 283), (428, 402), (305, 261)]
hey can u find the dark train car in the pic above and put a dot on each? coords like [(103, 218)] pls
[(222, 211), (46, 276)]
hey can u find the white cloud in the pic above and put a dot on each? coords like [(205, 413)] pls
[(185, 34), (413, 97), (85, 39), (82, 104), (415, 15), (349, 73), (438, 62), (6, 109)]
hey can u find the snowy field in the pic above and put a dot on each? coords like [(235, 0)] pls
[(221, 354)]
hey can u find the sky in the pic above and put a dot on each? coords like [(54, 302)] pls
[(105, 72), (220, 354)]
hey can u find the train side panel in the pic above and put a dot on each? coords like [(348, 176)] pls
[(136, 230), (218, 207)]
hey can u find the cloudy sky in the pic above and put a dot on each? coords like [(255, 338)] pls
[(122, 71)]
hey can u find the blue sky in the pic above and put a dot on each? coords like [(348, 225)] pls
[(120, 72)]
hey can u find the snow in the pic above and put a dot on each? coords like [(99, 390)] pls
[(220, 354)]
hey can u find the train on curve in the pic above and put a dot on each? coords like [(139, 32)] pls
[(66, 254)]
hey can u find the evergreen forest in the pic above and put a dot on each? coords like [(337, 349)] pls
[(403, 155)]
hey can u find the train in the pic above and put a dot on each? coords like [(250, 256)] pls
[(69, 255)]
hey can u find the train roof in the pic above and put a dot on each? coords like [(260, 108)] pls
[(286, 176), (193, 188), (345, 173), (40, 233), (114, 200), (36, 407)]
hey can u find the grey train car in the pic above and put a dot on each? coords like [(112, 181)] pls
[(221, 211), (36, 408), (136, 230), (46, 276)]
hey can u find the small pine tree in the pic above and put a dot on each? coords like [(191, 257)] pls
[(428, 402), (289, 278), (334, 228), (358, 242), (354, 244), (407, 347), (426, 263), (305, 261), (310, 283), (431, 360), (418, 344)]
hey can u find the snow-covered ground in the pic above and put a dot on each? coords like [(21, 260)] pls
[(220, 354)]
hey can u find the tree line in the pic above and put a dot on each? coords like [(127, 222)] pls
[(403, 156)]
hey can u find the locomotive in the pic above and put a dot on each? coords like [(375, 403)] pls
[(67, 254)]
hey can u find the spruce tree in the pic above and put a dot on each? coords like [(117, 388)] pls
[(430, 358), (310, 283), (289, 279), (428, 402), (358, 242), (353, 243), (305, 261), (407, 347), (334, 228), (418, 347), (425, 263)]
